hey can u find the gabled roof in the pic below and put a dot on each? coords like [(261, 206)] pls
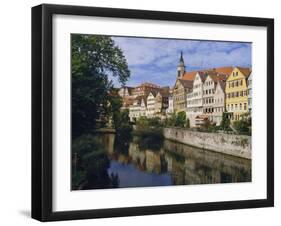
[(246, 71), (149, 84), (164, 91), (216, 77), (203, 75), (190, 75), (153, 92), (140, 98), (224, 70), (186, 83)]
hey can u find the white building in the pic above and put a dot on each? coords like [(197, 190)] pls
[(151, 99), (125, 91), (219, 102), (138, 108), (209, 88), (162, 101), (194, 105), (250, 93), (170, 109)]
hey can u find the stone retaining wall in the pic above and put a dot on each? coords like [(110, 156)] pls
[(237, 145)]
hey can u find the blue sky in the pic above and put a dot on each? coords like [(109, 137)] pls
[(155, 60)]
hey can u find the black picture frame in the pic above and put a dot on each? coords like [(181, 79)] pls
[(42, 111)]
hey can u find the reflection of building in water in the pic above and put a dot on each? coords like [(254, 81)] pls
[(185, 164), (203, 167), (138, 157), (153, 161)]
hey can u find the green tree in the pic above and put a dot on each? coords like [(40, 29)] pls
[(225, 122), (181, 119), (94, 59), (244, 124), (89, 161), (142, 122), (121, 122)]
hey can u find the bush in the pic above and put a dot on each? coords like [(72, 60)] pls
[(242, 126), (178, 120), (225, 122), (144, 122)]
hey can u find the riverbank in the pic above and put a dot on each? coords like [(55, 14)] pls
[(231, 144), (105, 130)]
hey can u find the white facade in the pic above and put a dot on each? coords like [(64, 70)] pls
[(195, 99), (208, 97), (138, 108), (250, 93), (134, 111), (143, 107), (219, 103), (170, 109), (214, 97), (150, 111)]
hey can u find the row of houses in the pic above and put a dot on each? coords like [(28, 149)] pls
[(147, 100), (203, 95)]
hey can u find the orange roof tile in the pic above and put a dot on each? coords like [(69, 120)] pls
[(218, 77), (190, 75), (245, 70), (224, 70)]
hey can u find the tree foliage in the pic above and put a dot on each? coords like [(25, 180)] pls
[(178, 120), (89, 161), (95, 59), (121, 122), (244, 124), (225, 122)]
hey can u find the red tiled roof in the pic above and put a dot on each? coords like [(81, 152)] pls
[(245, 71), (186, 83), (224, 70), (149, 84), (190, 75), (218, 77)]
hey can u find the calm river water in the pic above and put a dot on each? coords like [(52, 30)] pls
[(136, 164)]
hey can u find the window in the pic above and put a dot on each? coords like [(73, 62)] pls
[(245, 106), (236, 106), (240, 106)]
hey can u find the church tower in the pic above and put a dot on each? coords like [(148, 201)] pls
[(181, 67)]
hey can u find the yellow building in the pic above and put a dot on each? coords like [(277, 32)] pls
[(236, 92), (181, 88)]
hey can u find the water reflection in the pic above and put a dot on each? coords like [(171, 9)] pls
[(133, 164)]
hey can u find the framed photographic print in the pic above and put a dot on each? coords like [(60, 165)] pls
[(146, 112)]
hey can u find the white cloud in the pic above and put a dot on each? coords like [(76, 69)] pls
[(152, 59)]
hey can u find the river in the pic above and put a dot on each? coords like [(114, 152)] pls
[(136, 163)]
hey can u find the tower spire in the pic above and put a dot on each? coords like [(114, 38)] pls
[(181, 67), (181, 58)]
